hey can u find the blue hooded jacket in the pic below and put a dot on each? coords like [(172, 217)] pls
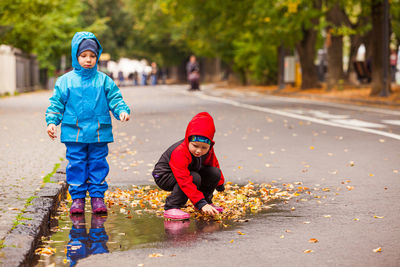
[(82, 101)]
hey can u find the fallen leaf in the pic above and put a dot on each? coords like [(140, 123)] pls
[(240, 233), (377, 250), (282, 236), (356, 219), (378, 217), (327, 216), (313, 240), (311, 147), (350, 187), (45, 251), (308, 251), (155, 255), (231, 241)]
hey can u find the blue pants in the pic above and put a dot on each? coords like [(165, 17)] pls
[(144, 79), (87, 169), (153, 79)]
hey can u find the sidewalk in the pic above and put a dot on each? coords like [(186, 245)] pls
[(27, 155)]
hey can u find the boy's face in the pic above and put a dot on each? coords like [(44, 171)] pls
[(198, 149), (87, 59)]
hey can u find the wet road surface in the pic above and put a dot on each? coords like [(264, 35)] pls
[(355, 170)]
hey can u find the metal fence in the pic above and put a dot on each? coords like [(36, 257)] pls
[(19, 72), (27, 70)]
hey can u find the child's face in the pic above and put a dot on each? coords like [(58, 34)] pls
[(198, 149), (87, 59)]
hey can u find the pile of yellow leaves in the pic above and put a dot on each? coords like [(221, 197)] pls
[(236, 200)]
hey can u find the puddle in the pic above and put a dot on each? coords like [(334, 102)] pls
[(79, 236), (135, 220)]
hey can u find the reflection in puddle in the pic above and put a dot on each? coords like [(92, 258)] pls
[(82, 244), (80, 236)]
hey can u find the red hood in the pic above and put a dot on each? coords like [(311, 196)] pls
[(201, 124)]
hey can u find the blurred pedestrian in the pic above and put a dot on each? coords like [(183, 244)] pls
[(135, 78), (163, 74), (120, 78), (393, 65), (81, 102), (143, 80), (193, 73), (154, 74), (190, 169)]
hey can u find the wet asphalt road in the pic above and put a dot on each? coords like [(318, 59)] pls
[(262, 138)]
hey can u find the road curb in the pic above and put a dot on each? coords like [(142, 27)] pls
[(21, 241)]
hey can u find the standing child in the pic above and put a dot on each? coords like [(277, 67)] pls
[(190, 169), (81, 102)]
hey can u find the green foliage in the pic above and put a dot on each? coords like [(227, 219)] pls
[(43, 27), (29, 201), (395, 18), (156, 35), (111, 24), (245, 35), (47, 178)]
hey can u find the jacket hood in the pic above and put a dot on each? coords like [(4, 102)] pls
[(76, 41), (201, 124)]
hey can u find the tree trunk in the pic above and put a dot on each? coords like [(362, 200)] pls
[(335, 49), (377, 14), (335, 62), (306, 50)]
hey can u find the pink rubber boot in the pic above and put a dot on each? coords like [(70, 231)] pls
[(78, 206), (176, 214), (98, 205)]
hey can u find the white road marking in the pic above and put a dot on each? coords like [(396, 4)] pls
[(393, 122), (291, 115), (325, 115), (358, 123), (308, 101), (297, 111)]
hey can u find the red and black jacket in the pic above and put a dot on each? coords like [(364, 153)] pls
[(178, 160)]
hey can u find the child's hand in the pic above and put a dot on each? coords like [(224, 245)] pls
[(124, 116), (208, 209), (52, 131)]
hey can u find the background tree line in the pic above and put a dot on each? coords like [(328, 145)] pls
[(245, 35)]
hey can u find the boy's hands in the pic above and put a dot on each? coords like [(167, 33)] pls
[(208, 209), (52, 131), (124, 116)]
